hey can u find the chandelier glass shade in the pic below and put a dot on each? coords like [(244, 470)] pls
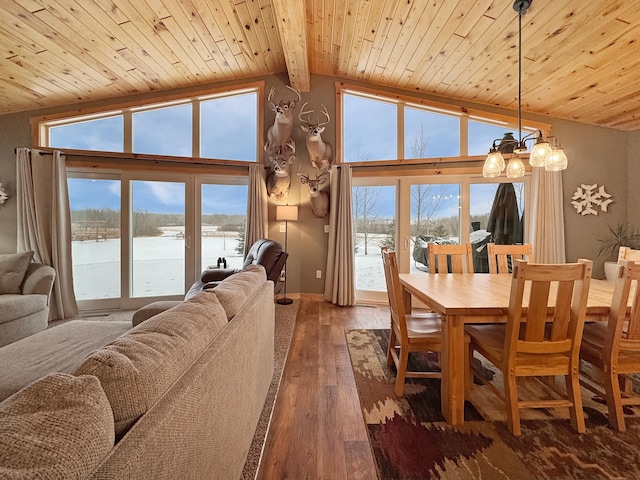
[(543, 154)]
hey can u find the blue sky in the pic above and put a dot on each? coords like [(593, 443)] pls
[(156, 197)]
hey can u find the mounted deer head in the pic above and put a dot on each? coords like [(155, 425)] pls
[(318, 199), (279, 179), (279, 133), (320, 152)]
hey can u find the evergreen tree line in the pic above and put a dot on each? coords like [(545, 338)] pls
[(148, 224)]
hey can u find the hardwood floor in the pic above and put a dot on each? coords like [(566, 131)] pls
[(317, 430)]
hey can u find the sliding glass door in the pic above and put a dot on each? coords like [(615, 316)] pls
[(139, 237), (405, 213), (96, 236), (158, 238)]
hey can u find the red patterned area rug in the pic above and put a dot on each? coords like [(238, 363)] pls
[(410, 439)]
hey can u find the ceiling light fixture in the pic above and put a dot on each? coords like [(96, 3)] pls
[(544, 154)]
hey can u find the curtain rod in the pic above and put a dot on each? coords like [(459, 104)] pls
[(15, 150)]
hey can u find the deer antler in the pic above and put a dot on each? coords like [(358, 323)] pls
[(292, 145), (324, 111), (302, 112), (271, 92), (297, 94)]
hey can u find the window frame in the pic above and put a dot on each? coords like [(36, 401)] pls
[(41, 125), (463, 113)]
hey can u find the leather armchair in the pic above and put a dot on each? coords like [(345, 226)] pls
[(265, 252)]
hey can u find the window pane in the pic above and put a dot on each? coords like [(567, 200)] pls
[(157, 251), (505, 224), (428, 134), (95, 230), (370, 129), (228, 127), (224, 213), (435, 217), (104, 134), (374, 221), (482, 135), (163, 131)]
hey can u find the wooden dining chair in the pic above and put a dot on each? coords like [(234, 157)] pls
[(612, 349), (528, 346), (501, 257), (450, 258), (409, 332), (627, 253)]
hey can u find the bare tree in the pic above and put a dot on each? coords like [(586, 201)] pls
[(366, 210), (425, 198)]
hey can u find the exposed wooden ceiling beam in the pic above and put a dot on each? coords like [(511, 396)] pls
[(290, 18)]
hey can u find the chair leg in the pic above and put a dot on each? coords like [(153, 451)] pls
[(402, 371), (511, 398), (391, 346), (573, 392), (468, 373), (614, 402)]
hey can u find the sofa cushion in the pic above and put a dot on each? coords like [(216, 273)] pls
[(14, 306), (234, 291), (13, 266), (58, 427), (136, 369)]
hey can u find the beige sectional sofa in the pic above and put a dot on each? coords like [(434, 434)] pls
[(176, 397), (25, 291)]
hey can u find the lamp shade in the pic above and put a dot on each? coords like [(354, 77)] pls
[(557, 162), (288, 213), (515, 168)]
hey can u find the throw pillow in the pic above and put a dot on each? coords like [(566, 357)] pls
[(234, 291), (60, 426), (13, 267), (137, 368)]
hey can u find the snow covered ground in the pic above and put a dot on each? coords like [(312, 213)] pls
[(158, 263)]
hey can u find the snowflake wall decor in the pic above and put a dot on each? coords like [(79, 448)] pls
[(3, 195), (586, 196)]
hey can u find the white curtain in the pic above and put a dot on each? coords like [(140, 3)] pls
[(546, 217), (339, 286), (44, 222), (257, 208)]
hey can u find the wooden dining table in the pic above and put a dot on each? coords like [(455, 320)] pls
[(475, 298)]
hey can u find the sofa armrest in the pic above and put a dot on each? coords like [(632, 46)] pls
[(38, 280), (216, 274)]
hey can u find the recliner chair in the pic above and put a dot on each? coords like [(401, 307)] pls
[(265, 252)]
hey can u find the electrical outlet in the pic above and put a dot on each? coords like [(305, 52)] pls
[(283, 228), (282, 276), (326, 229), (318, 273)]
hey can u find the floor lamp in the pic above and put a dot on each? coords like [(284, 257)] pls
[(286, 213)]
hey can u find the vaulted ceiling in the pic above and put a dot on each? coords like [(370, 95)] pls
[(580, 60)]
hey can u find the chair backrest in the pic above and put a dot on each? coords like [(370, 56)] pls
[(627, 253), (618, 336), (501, 257), (394, 291), (270, 255), (450, 258), (534, 341)]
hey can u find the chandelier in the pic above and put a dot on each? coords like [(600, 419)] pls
[(543, 154)]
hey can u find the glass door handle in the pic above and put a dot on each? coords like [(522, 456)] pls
[(187, 241)]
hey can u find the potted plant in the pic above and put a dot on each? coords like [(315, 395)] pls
[(622, 235)]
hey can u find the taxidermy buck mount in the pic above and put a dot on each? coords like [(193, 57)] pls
[(279, 133), (320, 152), (319, 199), (279, 179)]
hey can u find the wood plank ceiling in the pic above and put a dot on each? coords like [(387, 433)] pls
[(580, 59)]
